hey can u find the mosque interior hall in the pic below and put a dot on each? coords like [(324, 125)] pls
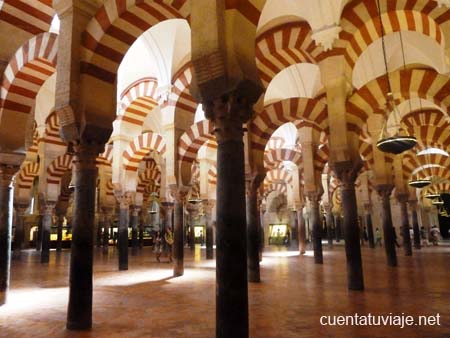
[(224, 168)]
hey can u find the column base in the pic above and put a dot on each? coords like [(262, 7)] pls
[(78, 326), (178, 271), (123, 267)]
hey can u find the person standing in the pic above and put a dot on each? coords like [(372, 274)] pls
[(378, 237), (168, 237)]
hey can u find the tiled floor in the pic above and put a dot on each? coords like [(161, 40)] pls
[(146, 302)]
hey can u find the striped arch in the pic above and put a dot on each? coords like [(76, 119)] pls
[(437, 188), (115, 27), (137, 101), (278, 186), (26, 72), (57, 168), (425, 117), (279, 175), (33, 148), (278, 113), (191, 141), (321, 157), (411, 163), (148, 176), (430, 136), (212, 175), (275, 142), (361, 26), (283, 46), (27, 174), (371, 98), (31, 16), (141, 146), (109, 187), (273, 157), (181, 98), (105, 158), (52, 131), (366, 151)]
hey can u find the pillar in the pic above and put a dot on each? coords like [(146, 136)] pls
[(59, 232), (369, 224), (209, 231), (253, 227), (316, 227), (338, 230), (19, 236), (107, 224), (301, 231), (6, 214), (178, 232), (48, 209), (402, 199), (415, 224), (355, 278), (141, 229), (134, 229), (329, 220), (79, 316), (122, 232), (384, 191)]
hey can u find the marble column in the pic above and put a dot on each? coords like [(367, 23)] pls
[(338, 228), (79, 316), (316, 223), (228, 113), (384, 191), (19, 236), (107, 224), (48, 209), (355, 278), (403, 199), (122, 231), (209, 230), (59, 230), (301, 231), (329, 220), (415, 224), (38, 239), (134, 220), (141, 228), (178, 232), (369, 225), (6, 213), (253, 227)]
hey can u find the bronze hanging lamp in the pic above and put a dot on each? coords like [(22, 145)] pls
[(432, 196), (400, 141)]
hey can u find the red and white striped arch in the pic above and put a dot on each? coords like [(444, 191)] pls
[(212, 175), (148, 176), (31, 16), (191, 141), (272, 158), (141, 146), (58, 168), (180, 97), (371, 98), (115, 27), (283, 46), (288, 110), (430, 136), (138, 100), (277, 186), (437, 188), (52, 131), (321, 157), (279, 175), (33, 149), (27, 71), (361, 26), (425, 117), (27, 174)]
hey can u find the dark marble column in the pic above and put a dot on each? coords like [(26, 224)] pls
[(301, 231), (415, 223), (261, 227), (355, 278), (122, 231), (59, 232), (316, 223), (134, 220), (384, 190), (403, 199), (178, 232), (48, 209), (141, 228), (338, 228), (209, 230), (228, 113), (329, 220), (107, 224), (253, 227), (369, 225), (6, 213), (79, 316), (38, 240), (19, 236)]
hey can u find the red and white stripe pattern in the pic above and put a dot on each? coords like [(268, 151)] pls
[(31, 16), (109, 188), (116, 26), (274, 157), (27, 71), (425, 117), (371, 98), (138, 100), (33, 149), (275, 142), (437, 188), (212, 175), (180, 97), (191, 141), (52, 131), (58, 168), (140, 147), (278, 186), (361, 26), (148, 176), (412, 162), (105, 158), (27, 174), (430, 136), (278, 113), (283, 46), (279, 175), (321, 157)]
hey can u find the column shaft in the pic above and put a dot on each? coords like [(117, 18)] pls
[(59, 233), (329, 219), (122, 236), (316, 230), (178, 232), (388, 230), (19, 236), (405, 228), (47, 221), (134, 230), (415, 224), (370, 229), (253, 236), (301, 231)]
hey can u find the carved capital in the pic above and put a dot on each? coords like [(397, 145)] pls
[(384, 190), (313, 196), (326, 36), (347, 172), (134, 209), (179, 194), (48, 207), (85, 155), (402, 198), (125, 199), (21, 208), (7, 173), (253, 182)]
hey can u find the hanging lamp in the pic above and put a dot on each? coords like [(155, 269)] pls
[(432, 196), (419, 183), (397, 143)]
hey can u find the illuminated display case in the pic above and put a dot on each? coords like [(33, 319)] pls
[(278, 234)]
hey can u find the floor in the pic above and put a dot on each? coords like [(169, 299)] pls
[(146, 301)]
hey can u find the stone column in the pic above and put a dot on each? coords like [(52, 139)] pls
[(329, 220), (316, 224), (369, 224), (178, 232), (253, 227), (228, 113), (301, 231), (134, 229), (384, 190), (261, 227), (338, 230), (355, 278), (19, 236), (415, 224), (122, 231), (6, 213), (403, 199), (79, 316), (209, 230), (38, 240), (141, 228), (47, 220), (59, 232), (107, 224)]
